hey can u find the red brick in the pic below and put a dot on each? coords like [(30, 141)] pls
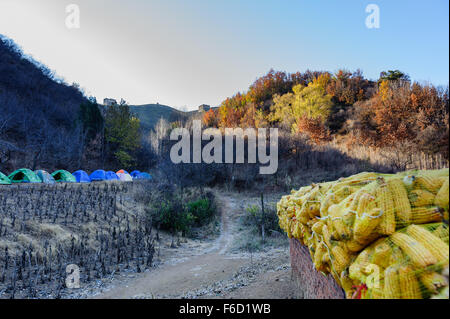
[(311, 284)]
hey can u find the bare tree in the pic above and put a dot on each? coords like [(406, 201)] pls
[(159, 134)]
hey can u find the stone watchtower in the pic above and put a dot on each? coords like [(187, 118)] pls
[(204, 108), (109, 102)]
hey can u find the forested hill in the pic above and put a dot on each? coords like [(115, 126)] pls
[(392, 112), (38, 113)]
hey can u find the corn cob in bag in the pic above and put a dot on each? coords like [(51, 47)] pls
[(340, 221)]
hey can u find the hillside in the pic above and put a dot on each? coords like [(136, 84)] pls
[(38, 113), (149, 114)]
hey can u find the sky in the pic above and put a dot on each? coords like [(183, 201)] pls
[(192, 52)]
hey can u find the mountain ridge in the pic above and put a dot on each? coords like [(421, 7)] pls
[(149, 114)]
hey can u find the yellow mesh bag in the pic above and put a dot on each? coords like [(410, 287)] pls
[(340, 220), (410, 264)]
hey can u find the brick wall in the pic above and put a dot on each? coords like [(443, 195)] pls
[(311, 284)]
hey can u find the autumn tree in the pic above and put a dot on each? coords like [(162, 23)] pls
[(315, 129), (403, 112), (282, 112), (306, 103), (347, 88), (231, 110), (210, 119), (268, 85)]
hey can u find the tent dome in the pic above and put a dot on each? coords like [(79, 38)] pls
[(98, 175), (143, 176), (122, 171), (63, 176), (24, 175), (4, 180), (111, 176), (81, 176), (125, 177), (135, 173), (45, 177), (146, 176)]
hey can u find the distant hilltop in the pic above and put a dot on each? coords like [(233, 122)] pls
[(149, 114)]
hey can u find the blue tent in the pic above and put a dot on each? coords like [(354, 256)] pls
[(98, 175), (81, 176), (143, 176), (111, 176), (135, 174)]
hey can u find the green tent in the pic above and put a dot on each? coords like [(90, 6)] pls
[(4, 180), (24, 175), (62, 176)]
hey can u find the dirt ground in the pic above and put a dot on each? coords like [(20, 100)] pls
[(210, 268)]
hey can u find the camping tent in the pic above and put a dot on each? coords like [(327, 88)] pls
[(143, 176), (111, 176), (125, 177), (122, 171), (62, 176), (4, 180), (45, 177), (24, 175), (81, 176), (135, 173), (98, 175)]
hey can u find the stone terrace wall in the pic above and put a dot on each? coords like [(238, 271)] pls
[(311, 283)]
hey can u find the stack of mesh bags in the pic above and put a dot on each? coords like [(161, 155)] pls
[(340, 221), (406, 265)]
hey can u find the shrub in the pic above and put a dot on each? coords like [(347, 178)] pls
[(202, 211), (172, 217), (177, 210), (255, 218), (251, 238)]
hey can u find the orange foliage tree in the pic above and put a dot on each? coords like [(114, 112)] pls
[(314, 128), (404, 112), (347, 88), (210, 119), (231, 110)]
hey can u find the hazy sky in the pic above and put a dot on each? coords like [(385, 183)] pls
[(185, 53)]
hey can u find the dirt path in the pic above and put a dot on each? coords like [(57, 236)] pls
[(213, 271)]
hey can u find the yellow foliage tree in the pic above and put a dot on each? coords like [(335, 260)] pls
[(310, 102)]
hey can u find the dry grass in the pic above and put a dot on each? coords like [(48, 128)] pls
[(38, 234), (395, 158), (14, 247), (25, 240)]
